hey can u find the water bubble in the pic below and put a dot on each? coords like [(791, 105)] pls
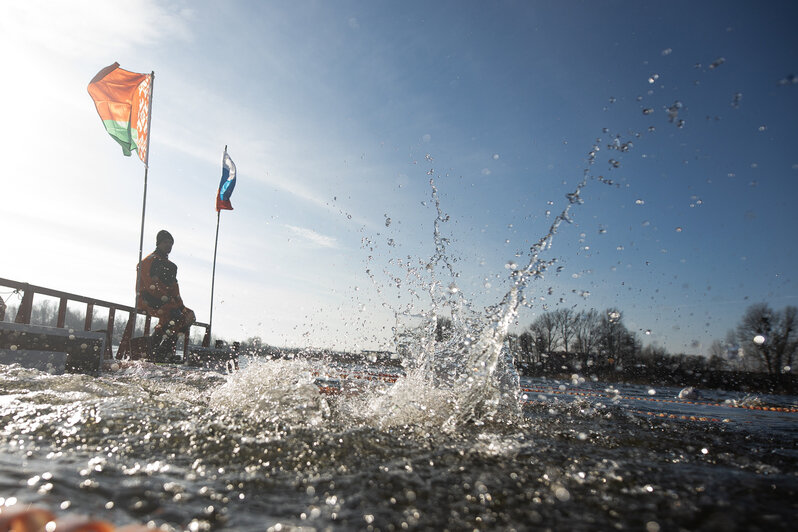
[(640, 202), (648, 110), (511, 265), (612, 99), (495, 156), (648, 332), (652, 391), (759, 339), (667, 51), (678, 229), (763, 128), (653, 78)]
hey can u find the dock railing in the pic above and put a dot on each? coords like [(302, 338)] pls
[(25, 311)]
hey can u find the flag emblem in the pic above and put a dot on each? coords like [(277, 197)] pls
[(122, 100)]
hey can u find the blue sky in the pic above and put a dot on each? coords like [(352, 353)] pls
[(338, 113)]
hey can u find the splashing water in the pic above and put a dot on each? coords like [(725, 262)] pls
[(460, 369)]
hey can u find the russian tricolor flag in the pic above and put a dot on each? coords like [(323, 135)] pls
[(227, 184)]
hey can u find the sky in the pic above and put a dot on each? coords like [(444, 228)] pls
[(339, 114)]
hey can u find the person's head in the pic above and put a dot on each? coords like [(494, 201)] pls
[(164, 241)]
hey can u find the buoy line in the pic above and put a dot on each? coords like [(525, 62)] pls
[(588, 393)]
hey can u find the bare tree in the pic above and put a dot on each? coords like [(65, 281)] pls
[(544, 331), (769, 335), (588, 333), (617, 342), (565, 323)]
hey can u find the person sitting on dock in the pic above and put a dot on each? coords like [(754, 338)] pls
[(158, 294)]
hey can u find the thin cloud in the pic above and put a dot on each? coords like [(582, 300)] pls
[(313, 237), (77, 29)]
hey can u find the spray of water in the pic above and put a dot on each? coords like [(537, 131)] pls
[(463, 373)]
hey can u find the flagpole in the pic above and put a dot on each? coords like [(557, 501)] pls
[(144, 200), (215, 247), (213, 276)]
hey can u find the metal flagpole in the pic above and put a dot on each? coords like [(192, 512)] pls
[(144, 201), (215, 247)]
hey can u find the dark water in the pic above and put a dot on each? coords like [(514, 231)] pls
[(262, 450)]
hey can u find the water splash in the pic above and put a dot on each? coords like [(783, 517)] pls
[(459, 367)]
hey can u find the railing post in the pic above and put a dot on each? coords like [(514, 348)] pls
[(25, 307), (62, 309), (124, 344), (89, 316), (109, 333), (206, 340)]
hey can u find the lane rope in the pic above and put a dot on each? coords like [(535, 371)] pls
[(590, 393)]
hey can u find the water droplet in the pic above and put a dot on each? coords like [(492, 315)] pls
[(648, 111), (763, 128), (652, 391), (717, 62), (495, 156), (759, 339), (639, 202), (574, 198), (653, 78), (678, 229), (648, 332), (387, 221), (612, 99), (667, 51), (511, 265)]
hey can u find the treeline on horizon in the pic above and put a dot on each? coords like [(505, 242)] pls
[(765, 340), (564, 342)]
